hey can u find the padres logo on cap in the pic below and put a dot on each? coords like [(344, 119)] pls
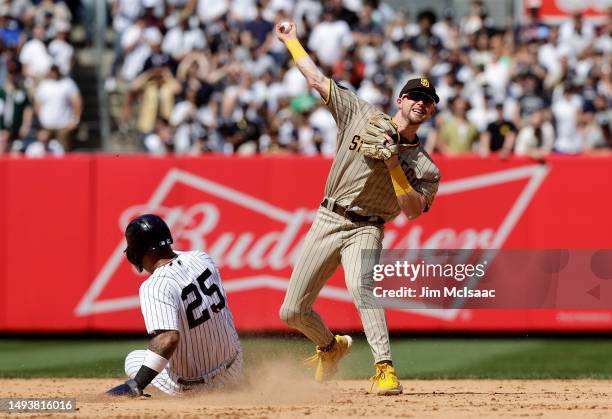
[(424, 82)]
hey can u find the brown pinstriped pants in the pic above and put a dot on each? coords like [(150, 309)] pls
[(333, 240)]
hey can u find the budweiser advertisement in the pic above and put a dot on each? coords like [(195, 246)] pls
[(63, 267)]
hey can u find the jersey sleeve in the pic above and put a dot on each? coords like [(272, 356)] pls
[(159, 306), (342, 103), (428, 189), (428, 183)]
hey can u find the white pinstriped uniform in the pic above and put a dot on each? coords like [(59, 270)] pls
[(361, 185), (187, 295)]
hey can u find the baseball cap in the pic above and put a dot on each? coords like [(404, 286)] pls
[(422, 85)]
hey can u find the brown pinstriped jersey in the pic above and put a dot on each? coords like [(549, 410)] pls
[(363, 184)]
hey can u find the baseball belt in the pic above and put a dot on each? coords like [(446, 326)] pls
[(351, 215), (210, 375)]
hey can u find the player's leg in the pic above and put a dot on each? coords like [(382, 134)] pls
[(358, 267), (318, 260), (163, 381)]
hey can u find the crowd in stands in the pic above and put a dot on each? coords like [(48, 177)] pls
[(40, 105), (201, 76)]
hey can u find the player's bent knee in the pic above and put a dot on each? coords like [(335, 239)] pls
[(292, 316)]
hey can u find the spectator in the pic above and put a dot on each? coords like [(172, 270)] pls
[(457, 134), (187, 121), (244, 130), (58, 105), (44, 145), (483, 112), (309, 139), (447, 31), (34, 58), (62, 53), (426, 39), (342, 13), (533, 98), (124, 13), (499, 136), (536, 139), (160, 140), (591, 134), (183, 38), (258, 32), (11, 32), (157, 58), (476, 20), (480, 53), (48, 11), (157, 88), (551, 55), (211, 10), (323, 122), (15, 109), (533, 29), (496, 73), (136, 42), (603, 118), (566, 107), (330, 39), (576, 34)]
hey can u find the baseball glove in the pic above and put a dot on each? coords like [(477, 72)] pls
[(373, 142)]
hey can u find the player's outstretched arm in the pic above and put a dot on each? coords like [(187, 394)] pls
[(287, 32), (410, 201), (161, 348)]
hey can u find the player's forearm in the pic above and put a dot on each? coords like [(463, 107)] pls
[(161, 348), (315, 78), (410, 201), (411, 204)]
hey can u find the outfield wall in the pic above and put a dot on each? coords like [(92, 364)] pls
[(62, 266)]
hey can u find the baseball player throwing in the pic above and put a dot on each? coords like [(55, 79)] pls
[(379, 170), (184, 306)]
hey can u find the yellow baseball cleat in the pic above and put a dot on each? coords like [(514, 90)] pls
[(385, 382), (327, 362)]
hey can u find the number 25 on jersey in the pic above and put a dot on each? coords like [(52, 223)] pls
[(197, 302)]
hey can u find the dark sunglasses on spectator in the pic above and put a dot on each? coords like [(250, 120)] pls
[(417, 96)]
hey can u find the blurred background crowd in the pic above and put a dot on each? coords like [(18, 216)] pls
[(197, 76)]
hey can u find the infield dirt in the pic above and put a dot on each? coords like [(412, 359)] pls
[(446, 399)]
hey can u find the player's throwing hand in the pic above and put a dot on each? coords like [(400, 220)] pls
[(286, 30)]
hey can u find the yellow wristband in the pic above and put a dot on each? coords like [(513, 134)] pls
[(296, 49), (400, 182)]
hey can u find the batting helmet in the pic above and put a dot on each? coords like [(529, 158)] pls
[(144, 233)]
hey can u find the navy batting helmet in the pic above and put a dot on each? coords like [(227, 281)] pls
[(147, 232)]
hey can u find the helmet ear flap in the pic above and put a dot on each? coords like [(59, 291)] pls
[(133, 259)]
